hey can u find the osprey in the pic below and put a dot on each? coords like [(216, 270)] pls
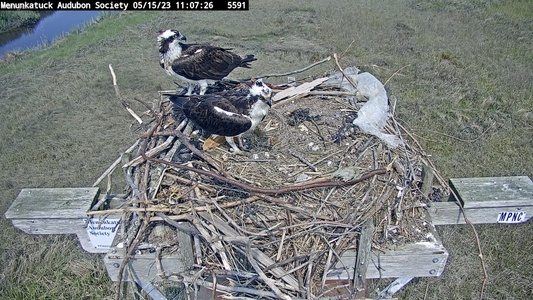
[(228, 113), (194, 63)]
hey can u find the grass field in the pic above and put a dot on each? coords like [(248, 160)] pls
[(465, 91)]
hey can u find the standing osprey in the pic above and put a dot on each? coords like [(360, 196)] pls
[(228, 113), (195, 63)]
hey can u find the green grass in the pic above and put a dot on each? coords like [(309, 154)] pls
[(465, 92), (48, 269), (516, 10)]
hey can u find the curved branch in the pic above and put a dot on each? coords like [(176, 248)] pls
[(283, 190)]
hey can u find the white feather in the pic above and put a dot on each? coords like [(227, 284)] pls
[(228, 113), (257, 112), (165, 35), (259, 88)]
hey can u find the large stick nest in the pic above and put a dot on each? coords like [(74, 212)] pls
[(271, 222)]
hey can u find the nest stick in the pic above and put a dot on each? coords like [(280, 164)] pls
[(342, 71), (232, 222), (188, 129), (280, 247), (130, 209), (125, 104), (214, 243), (297, 71), (152, 152), (323, 202), (230, 289), (115, 164), (302, 159), (187, 181), (326, 269), (263, 276), (278, 191), (184, 228), (195, 150), (140, 235)]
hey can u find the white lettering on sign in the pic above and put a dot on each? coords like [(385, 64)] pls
[(512, 217), (102, 233)]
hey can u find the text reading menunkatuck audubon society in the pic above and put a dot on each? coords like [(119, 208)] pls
[(65, 5)]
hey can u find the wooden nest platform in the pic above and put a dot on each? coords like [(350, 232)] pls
[(312, 209), (285, 219)]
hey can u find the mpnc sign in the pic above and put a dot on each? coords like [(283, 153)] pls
[(512, 217)]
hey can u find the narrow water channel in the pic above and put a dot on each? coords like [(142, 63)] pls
[(45, 31)]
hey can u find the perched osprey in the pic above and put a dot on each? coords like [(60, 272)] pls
[(228, 113), (194, 63)]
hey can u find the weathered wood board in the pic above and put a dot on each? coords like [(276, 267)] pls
[(486, 200), (55, 211), (493, 191), (424, 259), (144, 267), (364, 249), (50, 203)]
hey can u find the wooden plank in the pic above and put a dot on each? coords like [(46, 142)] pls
[(424, 259), (449, 213), (49, 226), (494, 191), (52, 203), (421, 259), (364, 248), (301, 89), (51, 211), (143, 266), (55, 211)]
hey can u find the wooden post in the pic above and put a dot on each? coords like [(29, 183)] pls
[(364, 245)]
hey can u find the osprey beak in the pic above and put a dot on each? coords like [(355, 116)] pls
[(182, 38)]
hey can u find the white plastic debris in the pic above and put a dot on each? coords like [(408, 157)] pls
[(338, 78), (374, 114)]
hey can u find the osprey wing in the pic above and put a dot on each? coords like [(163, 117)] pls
[(217, 115), (206, 62)]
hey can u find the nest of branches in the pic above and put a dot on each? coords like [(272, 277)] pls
[(270, 223)]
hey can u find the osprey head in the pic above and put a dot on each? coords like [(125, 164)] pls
[(262, 90), (167, 37)]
